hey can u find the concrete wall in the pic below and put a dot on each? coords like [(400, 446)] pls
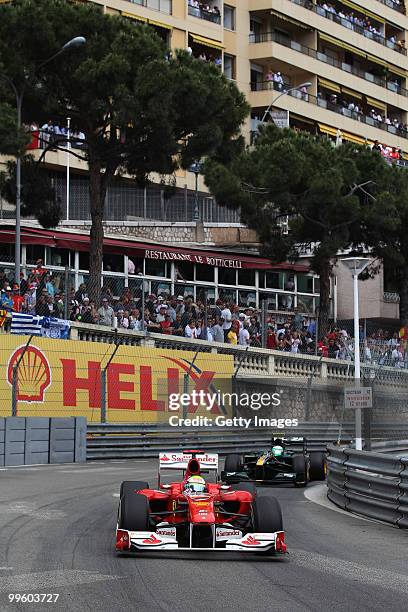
[(42, 440), (204, 233)]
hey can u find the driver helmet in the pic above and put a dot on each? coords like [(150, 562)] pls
[(277, 450), (195, 484)]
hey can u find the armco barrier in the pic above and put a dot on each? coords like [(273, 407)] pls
[(35, 440), (371, 484), (127, 440), (115, 441)]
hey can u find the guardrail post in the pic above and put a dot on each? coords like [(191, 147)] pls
[(14, 391), (103, 396)]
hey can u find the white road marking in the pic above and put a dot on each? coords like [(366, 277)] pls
[(6, 569), (49, 581), (115, 494)]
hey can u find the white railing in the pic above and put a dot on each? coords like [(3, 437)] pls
[(250, 362)]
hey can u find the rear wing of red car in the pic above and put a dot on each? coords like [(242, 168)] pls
[(208, 462)]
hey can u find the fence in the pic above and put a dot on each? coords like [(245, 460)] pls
[(28, 441), (371, 484)]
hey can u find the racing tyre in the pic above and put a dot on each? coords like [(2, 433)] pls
[(232, 463), (318, 466), (130, 486), (267, 515), (134, 512), (300, 468), (245, 486)]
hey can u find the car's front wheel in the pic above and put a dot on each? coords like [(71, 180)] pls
[(131, 486), (267, 515), (318, 466), (301, 470), (134, 512)]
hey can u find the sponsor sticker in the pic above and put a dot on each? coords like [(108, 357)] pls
[(225, 533)]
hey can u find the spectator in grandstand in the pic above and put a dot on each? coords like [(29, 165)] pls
[(105, 313)]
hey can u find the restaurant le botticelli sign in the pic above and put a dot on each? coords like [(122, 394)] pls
[(78, 241)]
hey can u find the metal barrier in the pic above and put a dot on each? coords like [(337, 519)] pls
[(122, 440), (371, 484)]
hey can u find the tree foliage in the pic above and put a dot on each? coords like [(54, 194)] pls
[(140, 113), (328, 193)]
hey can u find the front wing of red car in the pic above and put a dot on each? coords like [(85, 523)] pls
[(132, 541)]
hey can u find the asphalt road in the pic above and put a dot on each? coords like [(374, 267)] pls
[(57, 536)]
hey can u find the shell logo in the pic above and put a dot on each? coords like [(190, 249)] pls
[(34, 374)]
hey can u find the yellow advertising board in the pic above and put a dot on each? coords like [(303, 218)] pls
[(63, 378)]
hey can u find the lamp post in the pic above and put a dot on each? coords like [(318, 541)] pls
[(68, 163), (196, 168), (19, 94), (284, 93), (356, 265)]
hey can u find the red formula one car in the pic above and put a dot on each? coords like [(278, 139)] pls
[(193, 514)]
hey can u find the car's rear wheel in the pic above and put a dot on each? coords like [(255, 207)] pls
[(245, 486), (267, 515), (300, 468), (130, 486), (134, 512), (232, 463), (318, 466)]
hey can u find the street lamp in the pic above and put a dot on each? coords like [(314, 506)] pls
[(71, 44), (196, 168), (284, 93), (356, 265)]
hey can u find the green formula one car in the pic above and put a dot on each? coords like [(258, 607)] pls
[(287, 461)]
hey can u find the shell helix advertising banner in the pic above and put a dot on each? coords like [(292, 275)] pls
[(63, 378)]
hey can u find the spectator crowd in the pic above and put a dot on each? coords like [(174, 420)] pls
[(178, 315), (359, 22), (203, 10)]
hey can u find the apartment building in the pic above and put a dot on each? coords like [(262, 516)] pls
[(353, 54)]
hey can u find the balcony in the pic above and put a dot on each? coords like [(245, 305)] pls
[(396, 5), (345, 21), (164, 6), (200, 10), (264, 37), (358, 117)]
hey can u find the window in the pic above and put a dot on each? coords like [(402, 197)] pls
[(184, 271), (34, 252), (226, 276), (247, 299), (205, 273), (155, 267), (274, 280), (59, 257), (113, 263), (304, 283), (84, 260), (229, 17), (229, 66), (246, 278)]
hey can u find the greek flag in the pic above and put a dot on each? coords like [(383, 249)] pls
[(34, 325), (26, 324), (55, 328)]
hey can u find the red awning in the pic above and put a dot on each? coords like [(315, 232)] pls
[(134, 248)]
